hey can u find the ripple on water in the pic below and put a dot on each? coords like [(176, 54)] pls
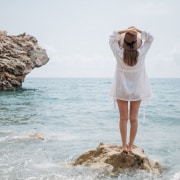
[(74, 115)]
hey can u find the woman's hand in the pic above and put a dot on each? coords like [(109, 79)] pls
[(133, 27), (132, 30)]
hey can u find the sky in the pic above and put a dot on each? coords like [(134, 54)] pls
[(75, 33)]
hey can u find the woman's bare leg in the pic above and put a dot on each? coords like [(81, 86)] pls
[(134, 109), (123, 111)]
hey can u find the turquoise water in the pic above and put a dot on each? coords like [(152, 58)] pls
[(75, 115)]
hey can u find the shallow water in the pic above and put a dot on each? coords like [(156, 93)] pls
[(75, 115)]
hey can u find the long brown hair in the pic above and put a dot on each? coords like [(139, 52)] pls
[(130, 57)]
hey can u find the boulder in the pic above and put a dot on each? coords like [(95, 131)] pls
[(18, 56), (111, 159)]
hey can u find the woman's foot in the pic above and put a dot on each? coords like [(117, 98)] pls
[(124, 149), (129, 148)]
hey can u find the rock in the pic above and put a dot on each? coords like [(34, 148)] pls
[(18, 56), (37, 136), (111, 159)]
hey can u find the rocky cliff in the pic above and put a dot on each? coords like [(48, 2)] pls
[(18, 56), (112, 160)]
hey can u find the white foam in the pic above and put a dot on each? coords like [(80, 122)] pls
[(61, 177), (61, 136), (176, 176), (3, 138), (38, 135), (46, 165)]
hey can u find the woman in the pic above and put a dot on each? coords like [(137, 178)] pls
[(130, 82)]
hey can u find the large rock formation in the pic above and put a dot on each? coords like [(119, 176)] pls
[(18, 56), (111, 159)]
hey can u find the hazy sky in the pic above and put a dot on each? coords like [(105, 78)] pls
[(76, 33)]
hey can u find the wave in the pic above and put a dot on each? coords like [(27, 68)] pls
[(176, 176), (9, 136)]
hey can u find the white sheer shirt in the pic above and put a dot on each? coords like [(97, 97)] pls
[(130, 83)]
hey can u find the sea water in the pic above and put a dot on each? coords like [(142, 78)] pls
[(74, 115)]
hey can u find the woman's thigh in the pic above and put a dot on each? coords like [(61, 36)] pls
[(134, 109), (123, 109)]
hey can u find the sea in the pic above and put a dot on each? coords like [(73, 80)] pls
[(72, 116)]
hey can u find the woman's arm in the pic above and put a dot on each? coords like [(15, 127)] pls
[(131, 30), (147, 37), (138, 30), (114, 39), (114, 45), (135, 28)]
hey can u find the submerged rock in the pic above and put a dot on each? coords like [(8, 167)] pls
[(18, 56), (110, 158)]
